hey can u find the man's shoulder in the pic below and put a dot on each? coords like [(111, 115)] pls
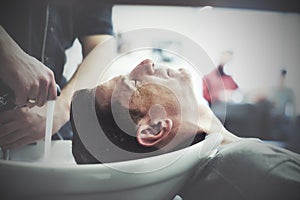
[(256, 153), (250, 165)]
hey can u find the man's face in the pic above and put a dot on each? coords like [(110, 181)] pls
[(179, 82), (225, 58), (156, 92)]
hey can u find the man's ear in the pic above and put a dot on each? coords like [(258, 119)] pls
[(149, 134)]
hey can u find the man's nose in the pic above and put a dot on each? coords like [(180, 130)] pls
[(144, 68), (147, 61)]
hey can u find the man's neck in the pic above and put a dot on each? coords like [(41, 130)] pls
[(221, 70), (208, 123)]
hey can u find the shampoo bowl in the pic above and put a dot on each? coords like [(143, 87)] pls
[(158, 177)]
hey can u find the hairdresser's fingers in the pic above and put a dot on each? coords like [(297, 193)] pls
[(20, 142), (11, 138), (26, 92), (6, 129), (9, 115), (43, 93), (52, 91), (32, 98), (21, 98)]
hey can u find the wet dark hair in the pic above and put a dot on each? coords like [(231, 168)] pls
[(117, 136), (112, 131), (283, 72)]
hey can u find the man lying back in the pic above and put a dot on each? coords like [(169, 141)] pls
[(153, 110)]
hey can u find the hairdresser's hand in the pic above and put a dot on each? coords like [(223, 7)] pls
[(32, 81), (25, 75), (23, 126)]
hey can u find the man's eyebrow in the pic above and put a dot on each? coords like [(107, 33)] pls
[(127, 82)]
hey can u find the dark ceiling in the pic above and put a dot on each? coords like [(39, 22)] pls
[(268, 5)]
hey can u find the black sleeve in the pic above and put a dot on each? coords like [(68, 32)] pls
[(244, 170), (92, 17)]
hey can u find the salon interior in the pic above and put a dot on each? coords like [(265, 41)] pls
[(262, 37), (263, 40)]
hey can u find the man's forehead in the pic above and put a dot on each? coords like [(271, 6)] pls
[(111, 83)]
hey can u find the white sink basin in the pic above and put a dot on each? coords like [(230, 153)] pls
[(26, 177)]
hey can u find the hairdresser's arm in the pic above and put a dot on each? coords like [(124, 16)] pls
[(25, 75), (82, 74), (79, 79), (23, 126)]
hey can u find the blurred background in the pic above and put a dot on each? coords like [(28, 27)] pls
[(263, 42)]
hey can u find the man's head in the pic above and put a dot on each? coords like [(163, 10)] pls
[(282, 79), (226, 56), (148, 109)]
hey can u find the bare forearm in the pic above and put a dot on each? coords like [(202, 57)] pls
[(86, 75), (7, 45), (24, 74)]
